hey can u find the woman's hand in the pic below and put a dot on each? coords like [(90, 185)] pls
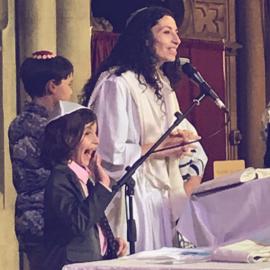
[(186, 135), (123, 246), (172, 145), (192, 184), (98, 172)]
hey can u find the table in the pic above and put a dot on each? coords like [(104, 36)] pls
[(167, 259), (209, 220), (230, 215), (130, 264)]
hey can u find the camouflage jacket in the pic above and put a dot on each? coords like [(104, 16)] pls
[(29, 177)]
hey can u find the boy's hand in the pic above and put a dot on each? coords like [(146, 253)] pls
[(98, 172), (123, 246)]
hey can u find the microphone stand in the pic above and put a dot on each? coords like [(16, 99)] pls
[(127, 179)]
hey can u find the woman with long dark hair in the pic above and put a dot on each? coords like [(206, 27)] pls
[(133, 97)]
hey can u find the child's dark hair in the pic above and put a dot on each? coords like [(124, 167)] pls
[(63, 134), (35, 73)]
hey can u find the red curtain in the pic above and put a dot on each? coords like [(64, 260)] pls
[(208, 58), (101, 46)]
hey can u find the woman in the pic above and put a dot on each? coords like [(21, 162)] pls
[(132, 95), (77, 193)]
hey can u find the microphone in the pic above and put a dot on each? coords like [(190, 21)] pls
[(196, 77)]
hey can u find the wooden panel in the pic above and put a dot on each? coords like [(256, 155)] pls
[(208, 58), (214, 20), (223, 167), (205, 19)]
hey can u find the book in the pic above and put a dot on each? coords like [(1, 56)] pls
[(246, 251), (231, 180), (171, 255)]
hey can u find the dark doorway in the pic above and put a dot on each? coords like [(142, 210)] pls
[(117, 11)]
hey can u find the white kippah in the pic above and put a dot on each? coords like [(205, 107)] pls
[(64, 108)]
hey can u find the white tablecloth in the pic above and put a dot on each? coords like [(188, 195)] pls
[(167, 259), (136, 265), (228, 215)]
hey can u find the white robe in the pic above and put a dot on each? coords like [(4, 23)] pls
[(130, 115)]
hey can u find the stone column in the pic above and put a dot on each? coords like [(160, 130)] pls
[(251, 82), (73, 38), (8, 243), (36, 24)]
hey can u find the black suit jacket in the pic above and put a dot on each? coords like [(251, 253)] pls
[(71, 233)]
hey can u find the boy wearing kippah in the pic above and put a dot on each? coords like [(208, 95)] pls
[(47, 79)]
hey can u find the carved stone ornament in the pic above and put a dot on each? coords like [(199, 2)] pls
[(205, 19)]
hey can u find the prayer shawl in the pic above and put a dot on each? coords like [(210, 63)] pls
[(162, 173)]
